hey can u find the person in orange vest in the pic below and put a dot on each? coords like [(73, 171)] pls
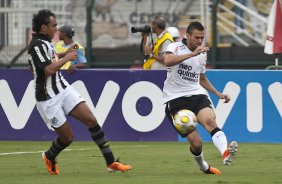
[(154, 52)]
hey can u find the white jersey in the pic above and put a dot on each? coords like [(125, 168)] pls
[(183, 79)]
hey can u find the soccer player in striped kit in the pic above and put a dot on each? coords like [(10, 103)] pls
[(56, 98)]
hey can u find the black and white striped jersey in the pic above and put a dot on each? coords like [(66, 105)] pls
[(41, 53)]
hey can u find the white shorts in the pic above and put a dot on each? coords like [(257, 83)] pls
[(54, 110)]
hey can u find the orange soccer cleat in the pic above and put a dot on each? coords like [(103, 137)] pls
[(118, 166), (212, 170), (51, 165)]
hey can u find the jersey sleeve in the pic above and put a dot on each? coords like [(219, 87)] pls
[(172, 47), (39, 55)]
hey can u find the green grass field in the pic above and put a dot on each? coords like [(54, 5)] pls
[(153, 162)]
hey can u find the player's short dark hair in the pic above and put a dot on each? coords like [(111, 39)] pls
[(194, 25), (160, 22), (41, 18)]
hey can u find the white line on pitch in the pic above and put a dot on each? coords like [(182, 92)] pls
[(79, 149)]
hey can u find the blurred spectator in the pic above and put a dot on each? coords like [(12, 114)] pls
[(137, 65), (174, 32), (240, 25), (66, 45), (155, 51)]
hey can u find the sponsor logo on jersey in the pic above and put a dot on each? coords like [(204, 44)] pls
[(182, 47), (185, 73)]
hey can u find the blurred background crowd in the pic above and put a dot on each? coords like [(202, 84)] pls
[(102, 27)]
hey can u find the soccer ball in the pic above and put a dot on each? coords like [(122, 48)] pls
[(185, 121)]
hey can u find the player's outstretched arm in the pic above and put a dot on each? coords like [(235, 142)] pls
[(205, 83), (170, 59)]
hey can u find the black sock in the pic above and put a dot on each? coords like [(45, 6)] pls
[(98, 136), (194, 153), (55, 149), (215, 130)]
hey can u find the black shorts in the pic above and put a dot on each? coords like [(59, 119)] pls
[(194, 103)]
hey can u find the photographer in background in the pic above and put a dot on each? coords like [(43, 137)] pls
[(174, 32), (66, 45), (154, 52)]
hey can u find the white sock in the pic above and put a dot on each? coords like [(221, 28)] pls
[(201, 162), (220, 141)]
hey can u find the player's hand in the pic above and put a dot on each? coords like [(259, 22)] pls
[(71, 56), (225, 97), (200, 49), (72, 48)]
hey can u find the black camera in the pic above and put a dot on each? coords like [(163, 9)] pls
[(143, 29)]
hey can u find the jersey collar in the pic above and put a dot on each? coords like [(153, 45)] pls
[(184, 41), (41, 36)]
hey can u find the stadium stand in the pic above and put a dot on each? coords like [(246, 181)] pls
[(8, 54), (112, 43)]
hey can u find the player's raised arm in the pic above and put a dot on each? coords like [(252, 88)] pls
[(170, 59)]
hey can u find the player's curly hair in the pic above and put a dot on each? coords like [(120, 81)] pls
[(41, 18)]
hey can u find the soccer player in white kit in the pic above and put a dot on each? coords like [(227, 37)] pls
[(184, 88)]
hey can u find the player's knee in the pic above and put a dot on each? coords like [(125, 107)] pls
[(210, 120), (210, 124)]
